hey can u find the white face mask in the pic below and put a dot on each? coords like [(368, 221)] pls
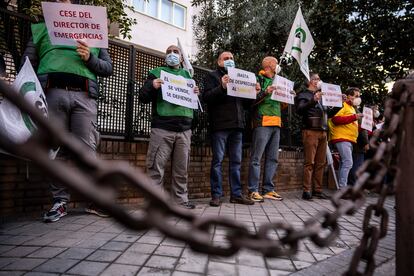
[(172, 59), (319, 85), (278, 69), (357, 102), (376, 114)]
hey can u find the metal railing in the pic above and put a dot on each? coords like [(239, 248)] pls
[(120, 113)]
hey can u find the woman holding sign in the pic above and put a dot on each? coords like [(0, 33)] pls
[(173, 94)]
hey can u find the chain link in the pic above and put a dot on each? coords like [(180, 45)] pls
[(89, 173)]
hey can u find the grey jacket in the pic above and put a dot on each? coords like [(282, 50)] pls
[(100, 66)]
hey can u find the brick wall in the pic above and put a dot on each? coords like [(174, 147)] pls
[(24, 188)]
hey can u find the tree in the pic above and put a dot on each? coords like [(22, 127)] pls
[(363, 43)]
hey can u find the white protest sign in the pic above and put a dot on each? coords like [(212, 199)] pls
[(67, 23), (331, 95), (241, 83), (283, 92), (14, 124), (178, 90), (368, 119)]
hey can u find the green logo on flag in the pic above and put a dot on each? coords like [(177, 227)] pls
[(301, 34)]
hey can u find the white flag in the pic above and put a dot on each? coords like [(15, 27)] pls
[(300, 43), (187, 65)]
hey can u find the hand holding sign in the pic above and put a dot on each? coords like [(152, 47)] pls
[(83, 50)]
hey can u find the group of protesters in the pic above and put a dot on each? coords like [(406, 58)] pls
[(69, 78)]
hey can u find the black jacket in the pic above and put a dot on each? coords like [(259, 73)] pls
[(148, 94), (225, 112), (314, 115), (99, 65)]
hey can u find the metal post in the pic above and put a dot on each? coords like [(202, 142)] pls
[(129, 108), (405, 193)]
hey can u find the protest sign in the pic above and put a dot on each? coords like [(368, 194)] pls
[(331, 95), (283, 92), (14, 124), (178, 90), (368, 119), (67, 23), (241, 83)]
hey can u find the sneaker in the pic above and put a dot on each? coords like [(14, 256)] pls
[(241, 200), (188, 205), (56, 212), (307, 196), (320, 195), (272, 195), (92, 209), (215, 202), (255, 196)]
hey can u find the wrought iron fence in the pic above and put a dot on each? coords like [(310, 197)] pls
[(120, 114)]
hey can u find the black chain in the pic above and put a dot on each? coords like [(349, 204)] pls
[(90, 174)]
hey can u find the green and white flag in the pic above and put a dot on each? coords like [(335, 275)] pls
[(300, 43), (17, 125)]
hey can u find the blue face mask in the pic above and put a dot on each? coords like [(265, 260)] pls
[(229, 63), (172, 59)]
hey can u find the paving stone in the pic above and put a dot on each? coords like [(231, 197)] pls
[(88, 268), (221, 269), (150, 239), (120, 270), (47, 252), (126, 238), (280, 264), (56, 265), (165, 250), (256, 271), (132, 258), (91, 243), (24, 264), (76, 253), (40, 274), (162, 262), (12, 273), (143, 248), (104, 255), (116, 245), (6, 261), (279, 272), (152, 271), (16, 240), (5, 248), (301, 265), (182, 273), (20, 251), (246, 259), (191, 261)]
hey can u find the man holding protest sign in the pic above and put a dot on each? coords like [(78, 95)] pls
[(266, 119), (173, 95), (226, 117), (314, 137), (343, 132), (68, 75)]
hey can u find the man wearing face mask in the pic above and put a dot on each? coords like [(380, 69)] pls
[(343, 130), (170, 129), (68, 75), (226, 118), (314, 137), (266, 123)]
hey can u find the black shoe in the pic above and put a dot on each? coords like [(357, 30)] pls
[(320, 195), (57, 211), (215, 202), (188, 205), (307, 196), (241, 200), (94, 210)]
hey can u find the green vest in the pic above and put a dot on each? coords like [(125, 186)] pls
[(165, 108), (268, 107), (59, 58)]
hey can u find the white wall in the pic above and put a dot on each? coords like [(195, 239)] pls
[(155, 34)]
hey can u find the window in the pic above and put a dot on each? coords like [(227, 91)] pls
[(164, 10)]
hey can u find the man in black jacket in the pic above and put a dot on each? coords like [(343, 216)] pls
[(226, 117), (314, 135), (68, 75)]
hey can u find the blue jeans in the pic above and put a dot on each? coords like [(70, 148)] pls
[(219, 140), (345, 151), (358, 159), (265, 140)]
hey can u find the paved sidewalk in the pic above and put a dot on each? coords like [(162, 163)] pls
[(81, 244)]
